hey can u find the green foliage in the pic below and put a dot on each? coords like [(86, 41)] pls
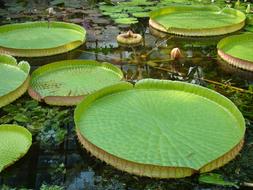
[(216, 179), (151, 97), (238, 46), (51, 187), (35, 40), (51, 134), (126, 20), (6, 187), (15, 141), (45, 122), (243, 101), (131, 10), (141, 8)]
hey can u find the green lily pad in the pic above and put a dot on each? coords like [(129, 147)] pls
[(237, 50), (15, 141), (14, 79), (68, 82), (197, 20), (118, 15), (129, 20), (35, 39), (160, 128), (141, 14)]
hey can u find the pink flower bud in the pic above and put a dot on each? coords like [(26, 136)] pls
[(175, 54)]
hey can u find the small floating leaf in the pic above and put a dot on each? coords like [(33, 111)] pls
[(126, 20), (216, 179), (141, 14)]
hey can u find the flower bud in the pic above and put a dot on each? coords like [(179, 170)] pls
[(175, 54)]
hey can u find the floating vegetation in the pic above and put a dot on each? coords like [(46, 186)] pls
[(129, 38), (68, 82), (197, 20), (14, 79), (37, 39), (127, 12), (162, 118), (216, 179), (237, 50), (133, 9), (15, 141), (56, 161), (47, 124)]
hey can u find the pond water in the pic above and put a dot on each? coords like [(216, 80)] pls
[(68, 165)]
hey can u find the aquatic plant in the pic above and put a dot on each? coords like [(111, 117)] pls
[(37, 39), (216, 179), (127, 12), (164, 131), (237, 50), (15, 141), (68, 82), (197, 20), (14, 79), (51, 187), (129, 38), (48, 124)]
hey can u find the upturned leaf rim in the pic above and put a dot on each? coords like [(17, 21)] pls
[(51, 67), (235, 60), (157, 171), (18, 52), (215, 31), (22, 66)]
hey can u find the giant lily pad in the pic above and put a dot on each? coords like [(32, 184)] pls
[(14, 79), (197, 20), (67, 82), (15, 141), (36, 39), (237, 50), (160, 128)]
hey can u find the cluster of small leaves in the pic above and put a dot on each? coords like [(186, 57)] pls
[(51, 187), (245, 7), (129, 12), (52, 134), (43, 187), (249, 23), (47, 123)]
